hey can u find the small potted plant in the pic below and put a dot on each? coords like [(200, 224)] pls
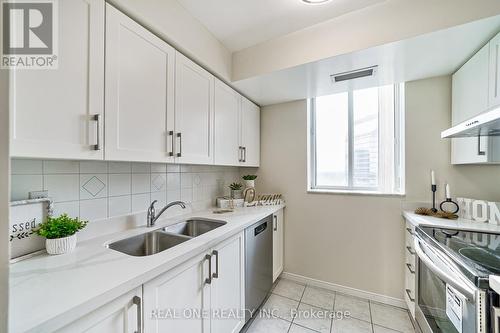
[(60, 233), (236, 190), (249, 181)]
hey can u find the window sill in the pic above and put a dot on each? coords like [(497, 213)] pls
[(347, 192)]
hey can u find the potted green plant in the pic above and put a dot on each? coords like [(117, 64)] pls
[(236, 190), (249, 180), (60, 233)]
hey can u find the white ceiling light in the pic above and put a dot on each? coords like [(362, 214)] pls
[(316, 2)]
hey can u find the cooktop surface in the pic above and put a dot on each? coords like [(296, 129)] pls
[(478, 253)]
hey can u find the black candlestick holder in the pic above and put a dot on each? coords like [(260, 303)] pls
[(448, 200), (434, 189)]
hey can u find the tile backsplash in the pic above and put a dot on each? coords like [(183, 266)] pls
[(96, 190)]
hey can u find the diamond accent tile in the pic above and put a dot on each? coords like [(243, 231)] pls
[(158, 182), (94, 186)]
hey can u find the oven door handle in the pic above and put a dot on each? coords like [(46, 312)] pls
[(459, 285)]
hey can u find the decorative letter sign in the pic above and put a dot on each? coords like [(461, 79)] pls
[(479, 210)]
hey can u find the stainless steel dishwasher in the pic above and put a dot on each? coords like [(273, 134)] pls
[(258, 263)]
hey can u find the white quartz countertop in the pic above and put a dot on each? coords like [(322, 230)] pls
[(48, 292), (459, 223), (495, 283)]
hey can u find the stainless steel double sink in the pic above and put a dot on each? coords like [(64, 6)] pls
[(164, 238)]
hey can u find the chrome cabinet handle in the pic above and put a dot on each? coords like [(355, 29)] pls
[(410, 269), (137, 301), (410, 250), (479, 151), (172, 144), (408, 292), (275, 223), (179, 135), (97, 119), (244, 154), (216, 274), (457, 281), (409, 231), (240, 154), (208, 280)]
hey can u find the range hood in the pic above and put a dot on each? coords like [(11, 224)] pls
[(485, 124)]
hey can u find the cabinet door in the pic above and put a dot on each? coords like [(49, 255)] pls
[(494, 70), (409, 294), (278, 243), (123, 315), (228, 286), (176, 298), (52, 111), (227, 125), (139, 92), (469, 98), (250, 133), (194, 112)]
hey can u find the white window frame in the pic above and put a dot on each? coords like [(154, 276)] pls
[(398, 188)]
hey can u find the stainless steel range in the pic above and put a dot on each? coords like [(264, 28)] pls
[(453, 293)]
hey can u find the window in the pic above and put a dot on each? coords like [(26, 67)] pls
[(356, 141)]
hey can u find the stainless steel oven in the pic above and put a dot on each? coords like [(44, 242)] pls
[(452, 291)]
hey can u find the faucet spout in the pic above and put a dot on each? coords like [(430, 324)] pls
[(152, 216)]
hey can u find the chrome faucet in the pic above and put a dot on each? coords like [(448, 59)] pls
[(152, 216)]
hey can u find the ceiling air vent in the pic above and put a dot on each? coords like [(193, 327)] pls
[(356, 74)]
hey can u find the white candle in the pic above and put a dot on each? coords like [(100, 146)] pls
[(448, 194), (433, 178)]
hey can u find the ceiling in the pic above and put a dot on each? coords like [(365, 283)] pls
[(434, 54), (239, 24)]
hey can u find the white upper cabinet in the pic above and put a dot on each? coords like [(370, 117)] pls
[(476, 90), (494, 82), (470, 87), (194, 112), (227, 125), (469, 98), (53, 112), (139, 92), (250, 133)]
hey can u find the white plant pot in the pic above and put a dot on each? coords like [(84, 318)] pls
[(250, 183), (237, 194), (61, 245)]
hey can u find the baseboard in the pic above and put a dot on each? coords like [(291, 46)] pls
[(346, 290)]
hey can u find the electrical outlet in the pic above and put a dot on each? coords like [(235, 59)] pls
[(38, 194)]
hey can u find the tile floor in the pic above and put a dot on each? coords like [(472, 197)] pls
[(366, 316)]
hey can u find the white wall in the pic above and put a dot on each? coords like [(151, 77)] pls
[(351, 240), (390, 21), (171, 21)]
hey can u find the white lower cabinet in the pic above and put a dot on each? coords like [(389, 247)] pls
[(228, 287), (171, 294), (122, 315), (278, 242), (410, 266), (200, 295)]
